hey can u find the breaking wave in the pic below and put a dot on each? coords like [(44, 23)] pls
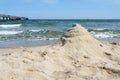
[(10, 25), (9, 32), (104, 32), (105, 35), (28, 34)]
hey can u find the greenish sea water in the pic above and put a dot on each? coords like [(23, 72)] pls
[(47, 31)]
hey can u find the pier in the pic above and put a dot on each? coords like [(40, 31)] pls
[(4, 17)]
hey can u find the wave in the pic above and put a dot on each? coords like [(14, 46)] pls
[(35, 30), (39, 33), (10, 25), (99, 30), (30, 34), (104, 32), (51, 34), (9, 32), (105, 35), (17, 32)]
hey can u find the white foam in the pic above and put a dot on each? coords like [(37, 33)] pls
[(35, 30), (9, 32), (10, 25), (99, 28), (103, 35)]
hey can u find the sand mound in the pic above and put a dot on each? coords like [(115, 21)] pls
[(76, 35), (75, 56)]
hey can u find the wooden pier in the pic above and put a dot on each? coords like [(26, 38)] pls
[(4, 17)]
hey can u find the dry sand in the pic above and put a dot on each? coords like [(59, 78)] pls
[(75, 56)]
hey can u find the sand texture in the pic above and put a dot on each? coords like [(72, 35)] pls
[(75, 56)]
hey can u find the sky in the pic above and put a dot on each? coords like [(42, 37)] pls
[(62, 9)]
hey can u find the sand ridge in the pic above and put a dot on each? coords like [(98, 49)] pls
[(75, 56)]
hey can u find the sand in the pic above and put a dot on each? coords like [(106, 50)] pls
[(75, 56)]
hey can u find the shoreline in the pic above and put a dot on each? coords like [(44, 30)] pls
[(26, 43), (40, 45)]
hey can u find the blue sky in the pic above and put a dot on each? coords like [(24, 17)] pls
[(62, 9)]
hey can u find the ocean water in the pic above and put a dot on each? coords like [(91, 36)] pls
[(42, 32)]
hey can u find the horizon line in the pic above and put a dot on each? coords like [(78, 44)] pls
[(74, 19)]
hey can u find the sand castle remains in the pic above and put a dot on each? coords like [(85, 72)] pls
[(75, 56)]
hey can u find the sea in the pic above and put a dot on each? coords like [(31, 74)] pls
[(37, 32)]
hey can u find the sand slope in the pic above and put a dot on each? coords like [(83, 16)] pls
[(75, 56)]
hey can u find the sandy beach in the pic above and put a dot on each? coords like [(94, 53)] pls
[(75, 56)]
